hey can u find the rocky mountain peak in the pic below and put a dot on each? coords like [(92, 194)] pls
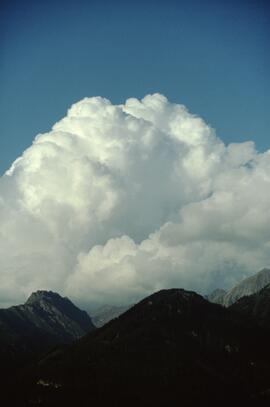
[(248, 286), (45, 317), (41, 295)]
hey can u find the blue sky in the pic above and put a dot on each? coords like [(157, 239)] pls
[(211, 56)]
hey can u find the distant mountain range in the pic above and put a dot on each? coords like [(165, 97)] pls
[(106, 313), (248, 286)]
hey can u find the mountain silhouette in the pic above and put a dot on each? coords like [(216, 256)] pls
[(172, 348)]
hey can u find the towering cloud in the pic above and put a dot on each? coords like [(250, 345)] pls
[(118, 201)]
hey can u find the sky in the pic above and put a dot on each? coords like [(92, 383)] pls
[(134, 151), (212, 56)]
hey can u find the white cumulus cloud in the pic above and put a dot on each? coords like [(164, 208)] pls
[(118, 201)]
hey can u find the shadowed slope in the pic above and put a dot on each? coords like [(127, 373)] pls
[(174, 347)]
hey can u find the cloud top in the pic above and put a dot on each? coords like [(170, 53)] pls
[(117, 201)]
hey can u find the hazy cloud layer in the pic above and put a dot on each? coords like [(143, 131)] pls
[(118, 201)]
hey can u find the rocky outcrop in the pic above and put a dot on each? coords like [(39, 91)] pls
[(248, 286)]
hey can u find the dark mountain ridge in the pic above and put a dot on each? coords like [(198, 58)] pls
[(256, 306), (174, 347)]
